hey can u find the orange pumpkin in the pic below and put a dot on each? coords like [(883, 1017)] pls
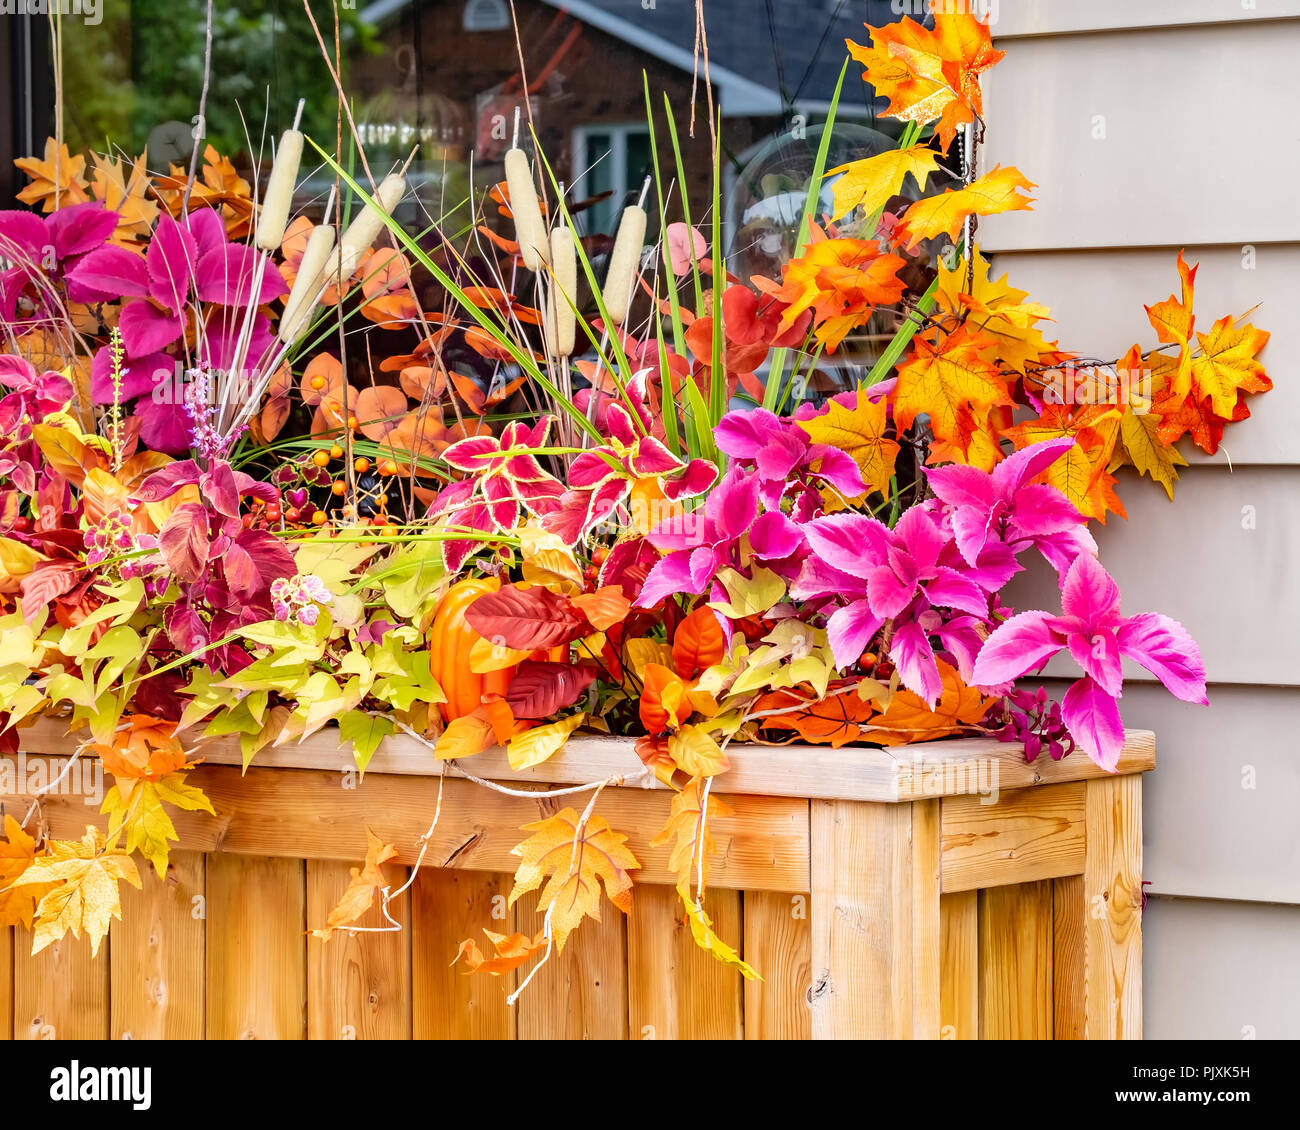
[(450, 641)]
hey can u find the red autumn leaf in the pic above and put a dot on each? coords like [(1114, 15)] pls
[(525, 619), (698, 643), (539, 689)]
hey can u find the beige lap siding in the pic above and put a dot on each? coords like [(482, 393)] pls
[(1151, 128)]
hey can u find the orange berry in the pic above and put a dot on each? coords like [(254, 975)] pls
[(321, 458), (338, 486), (318, 383), (352, 423), (387, 467), (361, 466), (318, 519), (336, 452)]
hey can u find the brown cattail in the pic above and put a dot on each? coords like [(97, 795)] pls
[(530, 229), (624, 261)]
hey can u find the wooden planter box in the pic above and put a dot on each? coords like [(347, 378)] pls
[(874, 892)]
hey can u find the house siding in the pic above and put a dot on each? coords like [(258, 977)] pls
[(1151, 128)]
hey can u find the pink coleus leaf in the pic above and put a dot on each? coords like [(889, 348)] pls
[(1092, 717)]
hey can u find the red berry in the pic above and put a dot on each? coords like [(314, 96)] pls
[(273, 512), (293, 514)]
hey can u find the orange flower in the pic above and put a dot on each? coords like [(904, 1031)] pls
[(841, 280)]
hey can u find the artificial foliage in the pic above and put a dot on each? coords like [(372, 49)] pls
[(261, 479)]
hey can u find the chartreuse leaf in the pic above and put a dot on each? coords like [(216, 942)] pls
[(534, 746), (748, 596), (365, 732)]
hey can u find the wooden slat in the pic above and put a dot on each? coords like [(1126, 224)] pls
[(1069, 937), (358, 985), (581, 993), (850, 773), (959, 983), (927, 934), (1014, 20), (1112, 881), (778, 944), (676, 991), (875, 928), (1028, 834), (304, 814), (6, 983), (256, 952), (447, 1003), (157, 955), (60, 993), (1015, 983)]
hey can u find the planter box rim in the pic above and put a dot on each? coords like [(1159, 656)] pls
[(898, 774)]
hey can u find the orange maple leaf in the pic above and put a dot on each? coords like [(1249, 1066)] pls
[(948, 381), (57, 181), (1080, 474), (907, 718), (367, 880), (837, 718), (996, 191), (841, 280), (17, 852), (579, 858), (929, 75), (143, 747), (511, 952), (125, 195)]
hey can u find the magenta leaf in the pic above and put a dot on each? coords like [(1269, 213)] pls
[(1092, 717)]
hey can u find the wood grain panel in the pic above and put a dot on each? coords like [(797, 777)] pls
[(959, 981), (778, 944), (1028, 834), (1112, 882), (581, 992), (358, 985), (677, 991), (1015, 927), (256, 952), (60, 993), (157, 954), (447, 1003)]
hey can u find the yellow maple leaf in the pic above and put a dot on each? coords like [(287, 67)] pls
[(578, 860), (86, 896), (688, 830), (126, 196), (996, 191), (359, 896), (860, 433), (1146, 451), (696, 753), (1227, 364), (57, 181), (998, 309), (948, 381), (138, 806), (870, 183)]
